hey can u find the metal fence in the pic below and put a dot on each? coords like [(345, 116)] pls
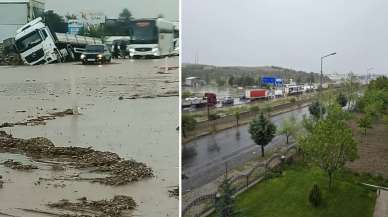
[(204, 205)]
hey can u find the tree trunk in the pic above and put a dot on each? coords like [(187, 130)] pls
[(365, 131), (237, 121), (262, 150), (330, 180), (287, 139)]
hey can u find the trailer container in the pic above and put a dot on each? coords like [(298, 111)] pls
[(256, 93)]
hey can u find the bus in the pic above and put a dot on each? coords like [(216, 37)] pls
[(151, 37)]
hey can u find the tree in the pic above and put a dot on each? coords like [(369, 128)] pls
[(385, 120), (255, 109), (125, 15), (315, 196), (308, 123), (231, 81), (351, 88), (331, 143), (365, 123), (220, 82), (342, 100), (55, 22), (186, 94), (188, 123), (268, 109), (262, 131), (311, 78), (289, 128), (236, 113), (314, 109), (225, 201), (71, 16)]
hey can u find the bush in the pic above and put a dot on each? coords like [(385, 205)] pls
[(213, 116), (293, 100), (342, 100), (255, 109), (315, 196)]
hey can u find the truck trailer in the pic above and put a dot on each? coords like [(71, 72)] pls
[(256, 94), (36, 44)]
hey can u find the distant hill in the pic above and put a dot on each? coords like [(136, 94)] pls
[(211, 73)]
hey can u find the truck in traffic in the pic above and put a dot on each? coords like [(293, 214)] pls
[(211, 99), (36, 44), (254, 94), (151, 37)]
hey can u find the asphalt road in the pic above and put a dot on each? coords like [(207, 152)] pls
[(231, 147)]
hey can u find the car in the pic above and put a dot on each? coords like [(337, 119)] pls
[(96, 53), (228, 101)]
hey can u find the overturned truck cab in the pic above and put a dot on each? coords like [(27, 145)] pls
[(37, 45)]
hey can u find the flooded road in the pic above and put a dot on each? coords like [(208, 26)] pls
[(141, 125), (232, 147)]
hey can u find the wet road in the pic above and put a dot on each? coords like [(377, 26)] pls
[(232, 146), (143, 129)]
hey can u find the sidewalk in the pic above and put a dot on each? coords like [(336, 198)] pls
[(381, 208)]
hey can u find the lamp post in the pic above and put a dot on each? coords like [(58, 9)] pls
[(321, 81)]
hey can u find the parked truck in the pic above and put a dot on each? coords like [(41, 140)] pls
[(36, 44), (256, 94)]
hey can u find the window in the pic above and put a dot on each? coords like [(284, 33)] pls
[(44, 34)]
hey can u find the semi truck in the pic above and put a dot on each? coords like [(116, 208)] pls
[(36, 44)]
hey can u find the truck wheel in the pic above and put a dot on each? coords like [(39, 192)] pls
[(71, 56), (59, 56)]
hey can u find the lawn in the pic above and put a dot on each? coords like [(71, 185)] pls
[(287, 196)]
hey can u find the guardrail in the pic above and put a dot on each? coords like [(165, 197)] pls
[(204, 204)]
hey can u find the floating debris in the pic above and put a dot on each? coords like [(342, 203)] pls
[(103, 208), (120, 171), (174, 192), (18, 165), (40, 120)]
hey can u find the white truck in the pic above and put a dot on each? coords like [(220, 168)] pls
[(36, 44)]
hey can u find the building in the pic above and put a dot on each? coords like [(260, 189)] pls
[(74, 26), (193, 82), (84, 20), (16, 13)]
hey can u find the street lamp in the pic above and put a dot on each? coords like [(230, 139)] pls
[(321, 81)]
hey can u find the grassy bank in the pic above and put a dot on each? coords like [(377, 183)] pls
[(288, 196)]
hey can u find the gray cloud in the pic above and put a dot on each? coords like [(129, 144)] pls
[(287, 33)]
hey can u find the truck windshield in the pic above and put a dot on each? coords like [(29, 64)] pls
[(94, 48), (28, 41), (143, 32)]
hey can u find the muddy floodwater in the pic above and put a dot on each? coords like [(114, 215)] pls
[(129, 107)]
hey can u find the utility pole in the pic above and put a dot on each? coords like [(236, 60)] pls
[(320, 86)]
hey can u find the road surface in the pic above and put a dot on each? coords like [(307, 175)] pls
[(232, 147)]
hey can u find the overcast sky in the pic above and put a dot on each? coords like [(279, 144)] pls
[(287, 33), (139, 8)]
